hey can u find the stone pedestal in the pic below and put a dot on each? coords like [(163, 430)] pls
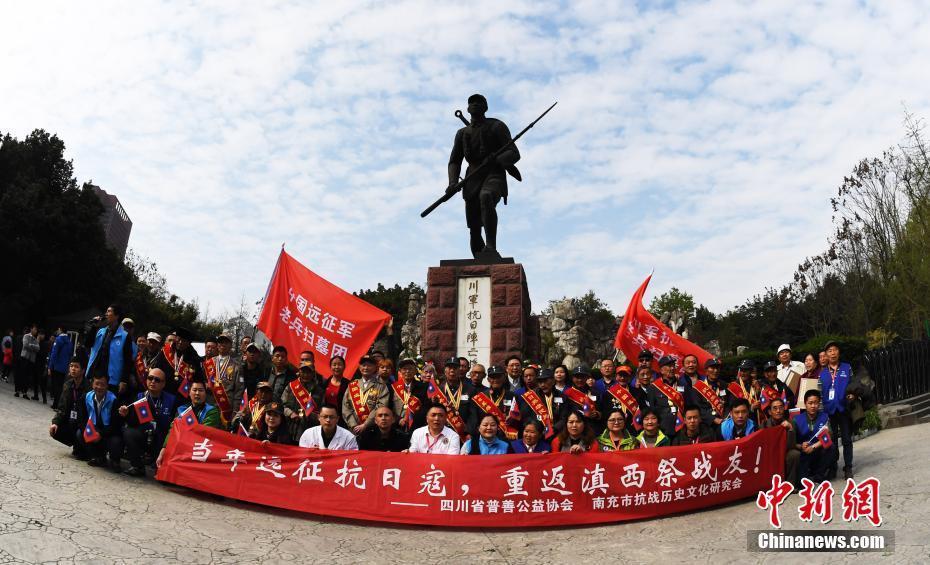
[(459, 296)]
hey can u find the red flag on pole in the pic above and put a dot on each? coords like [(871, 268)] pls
[(640, 330), (302, 311)]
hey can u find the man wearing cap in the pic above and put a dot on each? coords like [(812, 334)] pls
[(628, 399), (252, 370), (743, 387), (786, 367), (668, 398), (410, 399), (223, 372), (710, 395), (544, 404), (580, 397), (145, 358), (302, 400), (497, 401), (476, 143), (280, 374), (252, 416), (364, 395), (204, 412), (180, 362), (834, 380), (771, 388), (644, 361), (111, 353)]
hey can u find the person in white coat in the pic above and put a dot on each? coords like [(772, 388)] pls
[(435, 437), (328, 435)]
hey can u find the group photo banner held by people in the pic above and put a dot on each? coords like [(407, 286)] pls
[(641, 331), (508, 491), (304, 311)]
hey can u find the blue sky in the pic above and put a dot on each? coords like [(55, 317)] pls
[(701, 139)]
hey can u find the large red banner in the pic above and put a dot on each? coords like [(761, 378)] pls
[(507, 491), (640, 330), (304, 311)]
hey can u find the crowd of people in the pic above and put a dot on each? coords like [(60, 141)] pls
[(119, 396)]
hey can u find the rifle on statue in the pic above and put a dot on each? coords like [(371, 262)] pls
[(452, 189)]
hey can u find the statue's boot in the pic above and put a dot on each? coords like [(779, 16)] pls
[(477, 243)]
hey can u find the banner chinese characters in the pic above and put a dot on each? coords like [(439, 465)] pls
[(303, 311), (448, 490), (640, 330)]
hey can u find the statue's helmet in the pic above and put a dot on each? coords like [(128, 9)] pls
[(479, 101)]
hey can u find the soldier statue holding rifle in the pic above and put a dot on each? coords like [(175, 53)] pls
[(491, 154)]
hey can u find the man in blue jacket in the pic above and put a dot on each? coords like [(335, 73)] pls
[(112, 354), (834, 380), (58, 359), (817, 461), (144, 441)]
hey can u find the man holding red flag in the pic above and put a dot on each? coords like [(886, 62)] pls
[(97, 411), (304, 311), (641, 331)]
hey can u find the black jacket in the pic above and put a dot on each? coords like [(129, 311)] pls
[(371, 440)]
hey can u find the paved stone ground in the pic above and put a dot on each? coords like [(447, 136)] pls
[(57, 509)]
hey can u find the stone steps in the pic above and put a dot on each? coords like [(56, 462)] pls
[(906, 412)]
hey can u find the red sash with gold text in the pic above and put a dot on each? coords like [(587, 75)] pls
[(486, 404), (182, 371), (140, 371), (625, 397), (537, 405), (303, 397), (216, 387), (454, 417), (411, 402), (361, 406), (710, 396), (672, 395)]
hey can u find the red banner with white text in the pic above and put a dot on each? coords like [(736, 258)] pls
[(304, 311), (640, 330), (507, 491)]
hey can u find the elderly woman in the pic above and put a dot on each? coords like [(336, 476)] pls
[(577, 437), (532, 439), (652, 435), (487, 442)]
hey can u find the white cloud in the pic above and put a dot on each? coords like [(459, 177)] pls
[(703, 140)]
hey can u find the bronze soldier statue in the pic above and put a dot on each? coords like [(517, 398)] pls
[(480, 143)]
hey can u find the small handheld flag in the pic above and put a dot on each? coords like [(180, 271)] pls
[(431, 389), (187, 417), (244, 405), (679, 422), (309, 407), (638, 420), (91, 434), (185, 388), (242, 431), (823, 436), (794, 412), (514, 415), (143, 413)]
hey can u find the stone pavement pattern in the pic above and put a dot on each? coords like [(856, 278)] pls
[(54, 508)]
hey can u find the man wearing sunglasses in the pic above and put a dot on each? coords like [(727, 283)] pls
[(143, 441)]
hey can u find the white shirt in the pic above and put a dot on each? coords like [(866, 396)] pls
[(313, 437), (793, 367), (447, 443)]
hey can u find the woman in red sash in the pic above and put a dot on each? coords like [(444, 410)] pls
[(336, 385)]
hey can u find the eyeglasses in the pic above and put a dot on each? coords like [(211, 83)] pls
[(154, 379)]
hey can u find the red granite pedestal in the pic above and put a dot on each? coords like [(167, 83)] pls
[(514, 330)]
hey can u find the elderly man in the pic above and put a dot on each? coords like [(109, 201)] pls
[(224, 380), (786, 366), (328, 435), (180, 362), (710, 395), (668, 397), (280, 374), (204, 413), (435, 437), (544, 404), (363, 396), (607, 376), (302, 400), (149, 347), (622, 396), (410, 398), (497, 401)]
